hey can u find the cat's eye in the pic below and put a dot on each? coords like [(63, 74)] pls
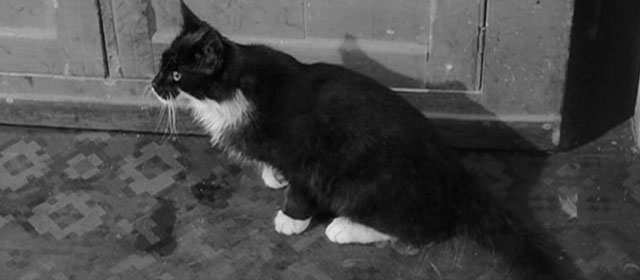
[(176, 76)]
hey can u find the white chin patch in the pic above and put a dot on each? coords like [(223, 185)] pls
[(272, 178), (343, 231), (289, 226)]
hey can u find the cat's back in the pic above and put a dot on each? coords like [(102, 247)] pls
[(327, 76), (343, 92)]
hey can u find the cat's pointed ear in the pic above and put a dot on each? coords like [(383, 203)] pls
[(212, 52), (190, 21)]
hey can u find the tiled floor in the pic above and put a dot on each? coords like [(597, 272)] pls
[(98, 205)]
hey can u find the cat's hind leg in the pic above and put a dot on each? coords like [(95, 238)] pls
[(272, 178), (342, 231)]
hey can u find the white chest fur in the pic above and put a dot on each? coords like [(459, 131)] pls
[(219, 118)]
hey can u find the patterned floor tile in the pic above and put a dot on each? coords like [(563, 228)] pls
[(632, 183), (305, 271), (60, 276), (65, 214), (99, 205), (5, 220), (82, 166), (152, 171), (93, 136), (21, 162), (133, 262)]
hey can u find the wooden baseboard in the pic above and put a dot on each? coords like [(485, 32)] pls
[(636, 118), (93, 103)]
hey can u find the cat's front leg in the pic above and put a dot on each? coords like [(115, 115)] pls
[(272, 178), (295, 215)]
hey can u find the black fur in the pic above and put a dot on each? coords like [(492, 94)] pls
[(347, 145)]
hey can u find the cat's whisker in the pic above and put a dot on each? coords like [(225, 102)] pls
[(173, 121), (146, 92), (169, 127), (162, 125), (166, 108), (161, 114), (170, 119)]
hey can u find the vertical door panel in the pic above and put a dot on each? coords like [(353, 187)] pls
[(386, 40), (60, 37), (455, 47), (405, 43)]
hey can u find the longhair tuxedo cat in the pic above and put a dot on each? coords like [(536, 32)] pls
[(340, 142)]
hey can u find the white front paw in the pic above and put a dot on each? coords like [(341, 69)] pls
[(288, 226), (272, 178)]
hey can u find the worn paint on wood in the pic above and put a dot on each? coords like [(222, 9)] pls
[(431, 52), (59, 37), (442, 36), (457, 28), (403, 43), (375, 36), (132, 28), (261, 18), (121, 105), (384, 20), (527, 51), (635, 123)]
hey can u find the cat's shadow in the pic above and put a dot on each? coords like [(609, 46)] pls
[(517, 195), (353, 57)]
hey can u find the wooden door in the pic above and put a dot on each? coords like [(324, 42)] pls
[(489, 73), (59, 37), (406, 44)]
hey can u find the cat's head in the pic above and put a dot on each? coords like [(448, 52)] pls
[(193, 62)]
